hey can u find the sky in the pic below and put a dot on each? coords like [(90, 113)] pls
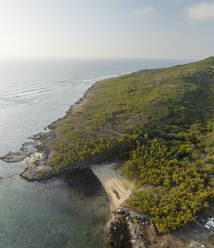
[(171, 29)]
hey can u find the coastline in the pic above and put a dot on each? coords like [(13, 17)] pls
[(116, 187), (36, 153)]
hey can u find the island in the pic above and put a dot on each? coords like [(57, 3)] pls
[(157, 127)]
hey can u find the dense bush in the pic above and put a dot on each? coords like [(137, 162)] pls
[(180, 188)]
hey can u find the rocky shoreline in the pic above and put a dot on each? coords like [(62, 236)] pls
[(128, 229), (36, 153), (26, 150)]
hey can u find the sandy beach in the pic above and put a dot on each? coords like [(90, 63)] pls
[(117, 188)]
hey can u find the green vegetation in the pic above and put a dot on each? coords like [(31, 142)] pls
[(160, 124)]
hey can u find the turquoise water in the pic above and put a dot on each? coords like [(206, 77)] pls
[(69, 211)]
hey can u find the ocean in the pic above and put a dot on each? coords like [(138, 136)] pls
[(69, 211)]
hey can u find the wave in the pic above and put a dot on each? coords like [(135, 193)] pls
[(31, 92)]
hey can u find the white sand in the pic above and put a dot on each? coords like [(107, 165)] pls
[(117, 187)]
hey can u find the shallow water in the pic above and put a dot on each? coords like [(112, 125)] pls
[(69, 211), (61, 212)]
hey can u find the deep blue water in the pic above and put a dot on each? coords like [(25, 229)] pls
[(65, 212)]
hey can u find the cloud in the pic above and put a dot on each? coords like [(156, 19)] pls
[(201, 12), (144, 11)]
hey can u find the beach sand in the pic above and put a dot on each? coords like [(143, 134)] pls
[(117, 188)]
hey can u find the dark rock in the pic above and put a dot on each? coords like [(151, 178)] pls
[(119, 235)]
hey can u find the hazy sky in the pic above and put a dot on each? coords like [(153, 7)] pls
[(107, 28)]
